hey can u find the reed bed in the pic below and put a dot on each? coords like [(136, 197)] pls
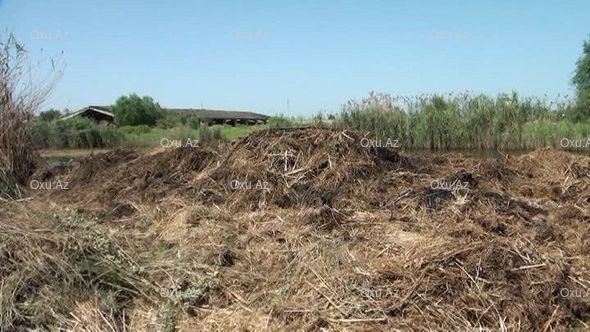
[(464, 121)]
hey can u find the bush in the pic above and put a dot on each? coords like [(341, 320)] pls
[(193, 122), (581, 111), (79, 133), (40, 133), (283, 121), (135, 130), (133, 110), (207, 134), (581, 81), (168, 120), (75, 123), (50, 115)]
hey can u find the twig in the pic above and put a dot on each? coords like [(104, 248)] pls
[(327, 298), (527, 267), (358, 320), (547, 324)]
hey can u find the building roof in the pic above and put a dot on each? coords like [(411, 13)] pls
[(201, 113), (220, 114), (104, 110)]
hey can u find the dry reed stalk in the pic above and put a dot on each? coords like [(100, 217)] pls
[(20, 97)]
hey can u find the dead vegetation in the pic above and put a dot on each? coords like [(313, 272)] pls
[(19, 98), (59, 270), (341, 237)]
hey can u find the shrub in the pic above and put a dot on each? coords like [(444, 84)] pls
[(79, 133), (40, 133), (207, 134), (581, 81), (168, 120), (193, 122), (50, 115), (283, 121), (133, 110), (75, 123), (135, 130), (581, 112)]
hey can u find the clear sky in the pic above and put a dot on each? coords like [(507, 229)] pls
[(255, 55)]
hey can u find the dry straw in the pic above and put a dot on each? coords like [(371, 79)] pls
[(19, 98), (347, 237)]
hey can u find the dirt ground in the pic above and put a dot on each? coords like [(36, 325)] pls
[(303, 229)]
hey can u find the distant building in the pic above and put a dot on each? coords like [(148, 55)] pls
[(100, 114), (103, 115), (223, 117)]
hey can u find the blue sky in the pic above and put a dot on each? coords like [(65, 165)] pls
[(256, 55)]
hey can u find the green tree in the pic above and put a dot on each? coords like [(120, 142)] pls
[(50, 115), (133, 110), (581, 81)]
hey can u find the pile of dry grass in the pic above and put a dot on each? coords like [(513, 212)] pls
[(52, 266), (275, 270), (301, 167), (268, 169), (107, 178), (347, 237)]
